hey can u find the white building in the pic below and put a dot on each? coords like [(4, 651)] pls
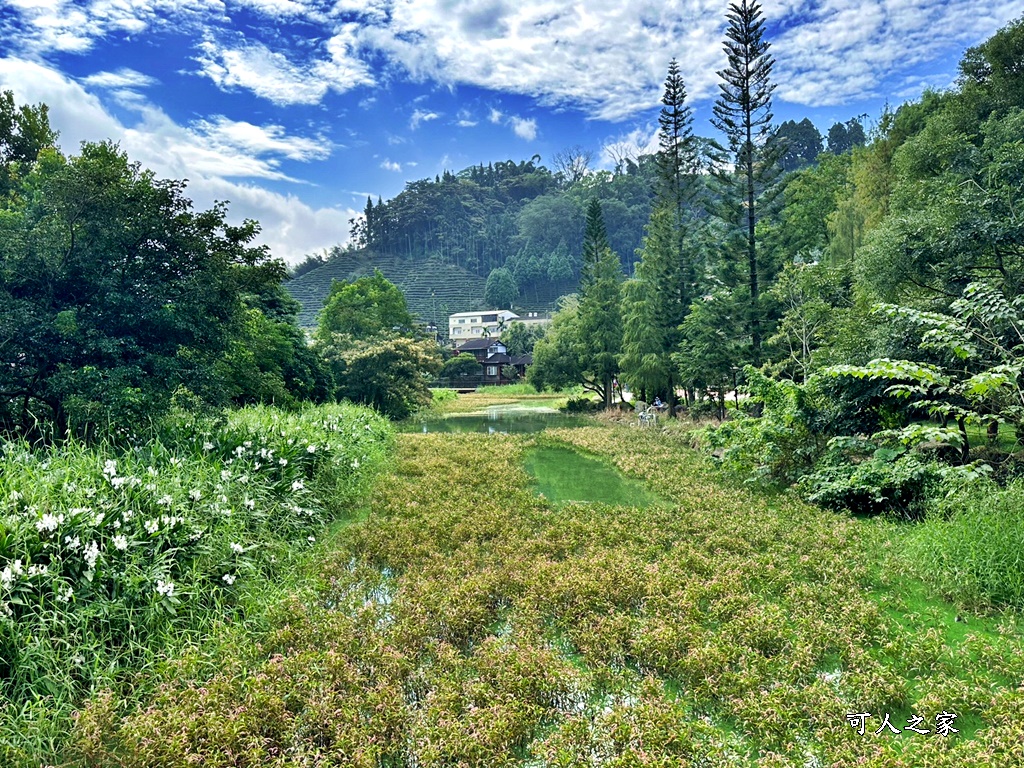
[(465, 326)]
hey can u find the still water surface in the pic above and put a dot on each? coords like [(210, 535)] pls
[(506, 419)]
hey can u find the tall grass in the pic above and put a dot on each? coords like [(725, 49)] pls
[(972, 549), (111, 557), (521, 388)]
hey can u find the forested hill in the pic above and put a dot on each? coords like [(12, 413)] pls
[(448, 241)]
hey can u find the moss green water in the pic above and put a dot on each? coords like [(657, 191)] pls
[(562, 475)]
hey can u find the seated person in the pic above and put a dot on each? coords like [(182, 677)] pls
[(658, 404)]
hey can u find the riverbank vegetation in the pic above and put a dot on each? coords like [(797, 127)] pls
[(116, 558), (468, 621)]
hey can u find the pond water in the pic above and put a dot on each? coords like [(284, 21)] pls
[(507, 419), (563, 474)]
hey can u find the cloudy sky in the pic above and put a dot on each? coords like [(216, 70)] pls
[(296, 110)]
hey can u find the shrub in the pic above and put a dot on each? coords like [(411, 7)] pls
[(778, 447), (108, 557), (581, 405), (858, 476)]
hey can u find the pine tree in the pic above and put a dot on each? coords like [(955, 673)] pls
[(654, 309), (600, 313), (595, 238), (676, 146), (743, 113)]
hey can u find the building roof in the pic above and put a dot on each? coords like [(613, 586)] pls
[(498, 359), (483, 343), (522, 360), (509, 314)]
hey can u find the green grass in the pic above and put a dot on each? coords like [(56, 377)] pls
[(562, 474), (971, 547), (468, 622)]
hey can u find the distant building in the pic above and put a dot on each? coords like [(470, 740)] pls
[(466, 326), (493, 355)]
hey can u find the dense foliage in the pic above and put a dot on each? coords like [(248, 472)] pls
[(117, 297), (112, 558), (470, 622)]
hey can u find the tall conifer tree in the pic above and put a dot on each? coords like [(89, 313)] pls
[(743, 113), (600, 313)]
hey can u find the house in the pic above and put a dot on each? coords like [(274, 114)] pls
[(493, 355), (464, 326)]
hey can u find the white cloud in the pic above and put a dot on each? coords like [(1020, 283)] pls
[(122, 78), (210, 153), (272, 76), (605, 57), (389, 165), (639, 141), (845, 50), (495, 116), (524, 128), (241, 136), (421, 116)]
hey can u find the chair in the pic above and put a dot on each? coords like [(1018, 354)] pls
[(648, 417)]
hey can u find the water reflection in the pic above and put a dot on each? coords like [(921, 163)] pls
[(499, 419)]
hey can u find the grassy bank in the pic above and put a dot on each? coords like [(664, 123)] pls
[(469, 622), (114, 558)]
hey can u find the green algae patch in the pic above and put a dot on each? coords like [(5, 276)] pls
[(563, 475)]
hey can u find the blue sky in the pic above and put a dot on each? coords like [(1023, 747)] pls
[(296, 110)]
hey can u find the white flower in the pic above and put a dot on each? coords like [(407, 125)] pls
[(298, 485), (152, 471), (14, 496), (207, 446), (110, 468), (257, 465), (237, 548), (127, 514), (243, 479), (78, 660), (195, 494), (49, 522), (167, 590), (311, 539), (98, 520), (73, 544), (120, 543), (90, 492), (283, 462), (225, 474), (64, 594), (229, 579), (92, 553), (150, 486), (250, 504), (355, 463), (175, 461), (152, 526), (165, 500), (222, 499), (310, 449), (239, 450), (5, 609), (247, 443)]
